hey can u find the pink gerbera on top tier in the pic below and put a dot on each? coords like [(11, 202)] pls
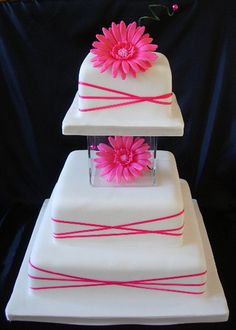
[(124, 49), (125, 158)]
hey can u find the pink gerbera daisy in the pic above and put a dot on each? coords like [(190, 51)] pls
[(125, 158), (124, 49)]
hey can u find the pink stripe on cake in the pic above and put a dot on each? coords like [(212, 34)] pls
[(131, 98), (159, 283), (123, 229)]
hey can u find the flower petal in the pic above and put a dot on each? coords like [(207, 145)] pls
[(107, 64), (128, 176), (116, 31), (112, 141), (137, 166), (148, 47), (95, 58), (133, 72), (129, 142), (105, 147), (138, 34), (122, 74), (144, 162), (137, 143), (134, 171), (131, 30), (101, 45), (111, 175), (124, 140), (147, 56), (104, 40), (142, 149), (97, 63), (143, 64), (102, 165), (144, 41), (146, 35), (107, 170), (100, 53), (119, 172), (123, 31), (125, 66), (144, 155), (115, 68), (109, 36), (134, 66), (118, 141), (105, 155)]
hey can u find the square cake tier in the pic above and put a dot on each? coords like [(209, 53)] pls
[(97, 268), (136, 106), (80, 212)]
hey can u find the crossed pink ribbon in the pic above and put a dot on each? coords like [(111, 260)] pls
[(132, 99)]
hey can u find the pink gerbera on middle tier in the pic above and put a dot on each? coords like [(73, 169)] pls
[(125, 158), (124, 49)]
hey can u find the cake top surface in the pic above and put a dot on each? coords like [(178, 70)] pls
[(124, 88)]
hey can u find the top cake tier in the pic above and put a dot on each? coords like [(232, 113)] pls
[(124, 88)]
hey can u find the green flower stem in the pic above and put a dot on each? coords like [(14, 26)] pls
[(152, 8)]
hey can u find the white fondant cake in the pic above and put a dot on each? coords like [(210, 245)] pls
[(144, 118), (158, 209), (121, 268), (138, 246)]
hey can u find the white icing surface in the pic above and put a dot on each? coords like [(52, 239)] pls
[(74, 199), (155, 81), (145, 118), (98, 259)]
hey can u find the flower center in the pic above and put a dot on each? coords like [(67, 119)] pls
[(123, 51), (123, 157)]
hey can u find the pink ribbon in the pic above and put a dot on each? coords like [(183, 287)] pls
[(123, 229), (159, 283), (131, 98)]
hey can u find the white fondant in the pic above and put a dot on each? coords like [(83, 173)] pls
[(142, 308), (155, 81), (74, 199), (145, 118), (121, 261)]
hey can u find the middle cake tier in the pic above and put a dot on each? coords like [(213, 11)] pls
[(135, 214)]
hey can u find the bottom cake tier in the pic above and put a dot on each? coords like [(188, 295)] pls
[(88, 306), (97, 267)]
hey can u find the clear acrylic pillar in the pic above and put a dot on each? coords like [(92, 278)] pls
[(122, 161)]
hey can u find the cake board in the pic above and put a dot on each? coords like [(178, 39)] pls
[(211, 307)]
